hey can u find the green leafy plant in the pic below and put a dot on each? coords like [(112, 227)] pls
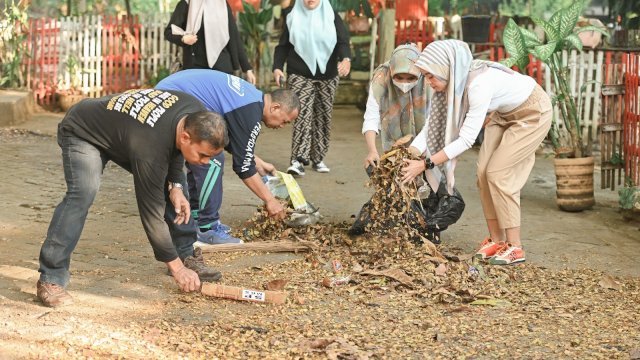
[(73, 68), (253, 26), (162, 73), (359, 7), (13, 32), (561, 34)]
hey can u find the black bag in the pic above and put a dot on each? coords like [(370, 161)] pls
[(429, 216), (436, 213)]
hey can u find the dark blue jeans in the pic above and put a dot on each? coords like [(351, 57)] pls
[(83, 164), (205, 187)]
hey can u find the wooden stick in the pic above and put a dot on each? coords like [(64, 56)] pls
[(239, 293), (264, 246)]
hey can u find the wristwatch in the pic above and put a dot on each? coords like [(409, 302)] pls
[(175, 185), (428, 164)]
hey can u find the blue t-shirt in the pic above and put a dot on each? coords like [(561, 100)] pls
[(239, 102)]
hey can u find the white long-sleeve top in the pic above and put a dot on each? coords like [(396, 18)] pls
[(493, 90), (371, 115)]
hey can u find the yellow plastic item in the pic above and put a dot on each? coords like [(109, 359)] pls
[(295, 193)]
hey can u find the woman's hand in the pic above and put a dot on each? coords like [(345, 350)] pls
[(372, 159), (251, 78), (190, 39), (344, 67), (277, 76), (412, 169)]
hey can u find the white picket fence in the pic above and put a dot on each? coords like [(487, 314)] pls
[(81, 38), (585, 69)]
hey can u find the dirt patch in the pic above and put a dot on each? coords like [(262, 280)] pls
[(127, 307)]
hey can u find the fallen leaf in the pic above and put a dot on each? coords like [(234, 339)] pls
[(492, 302), (608, 282), (276, 285), (441, 270), (357, 268), (457, 257), (394, 273)]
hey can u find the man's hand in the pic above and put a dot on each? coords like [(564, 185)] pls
[(372, 159), (412, 169), (277, 76), (190, 39), (181, 204), (251, 78), (186, 278), (266, 168), (275, 209), (344, 67)]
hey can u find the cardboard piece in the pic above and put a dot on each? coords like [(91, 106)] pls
[(242, 294)]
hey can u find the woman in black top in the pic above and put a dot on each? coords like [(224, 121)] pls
[(315, 46), (209, 37)]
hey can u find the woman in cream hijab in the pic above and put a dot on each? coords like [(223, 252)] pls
[(465, 91), (209, 37)]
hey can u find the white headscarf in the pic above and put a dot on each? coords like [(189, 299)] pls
[(450, 61), (216, 25), (313, 33)]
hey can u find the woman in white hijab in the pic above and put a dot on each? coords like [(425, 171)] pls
[(315, 47), (209, 37), (465, 91)]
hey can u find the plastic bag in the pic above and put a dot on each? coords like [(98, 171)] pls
[(429, 216), (284, 186)]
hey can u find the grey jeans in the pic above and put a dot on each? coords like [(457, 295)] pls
[(83, 164)]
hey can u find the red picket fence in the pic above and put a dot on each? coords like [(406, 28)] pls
[(632, 118), (534, 69), (120, 54), (42, 63), (110, 47), (416, 31)]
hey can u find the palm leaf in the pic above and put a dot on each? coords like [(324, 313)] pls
[(514, 41), (599, 29), (569, 18), (543, 52), (509, 62), (530, 38), (574, 41), (551, 31)]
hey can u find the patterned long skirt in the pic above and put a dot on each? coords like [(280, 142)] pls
[(312, 129)]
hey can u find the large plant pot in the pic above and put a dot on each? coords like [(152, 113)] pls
[(475, 28), (68, 100), (574, 182)]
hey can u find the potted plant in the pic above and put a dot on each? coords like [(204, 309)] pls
[(13, 44), (69, 89), (358, 14), (574, 163)]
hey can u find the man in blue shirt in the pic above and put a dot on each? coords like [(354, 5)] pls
[(244, 109)]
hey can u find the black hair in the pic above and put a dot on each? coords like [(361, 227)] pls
[(207, 126), (287, 98)]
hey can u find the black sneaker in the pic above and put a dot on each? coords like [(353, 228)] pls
[(196, 263), (296, 168)]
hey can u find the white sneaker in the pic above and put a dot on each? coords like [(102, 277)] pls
[(321, 167), (296, 168)]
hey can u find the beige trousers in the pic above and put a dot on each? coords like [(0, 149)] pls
[(507, 156)]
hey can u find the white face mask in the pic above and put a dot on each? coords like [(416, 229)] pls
[(405, 86)]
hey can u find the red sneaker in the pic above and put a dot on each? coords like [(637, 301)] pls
[(510, 255), (488, 248)]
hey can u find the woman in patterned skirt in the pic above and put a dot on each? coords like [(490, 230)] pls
[(314, 58)]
